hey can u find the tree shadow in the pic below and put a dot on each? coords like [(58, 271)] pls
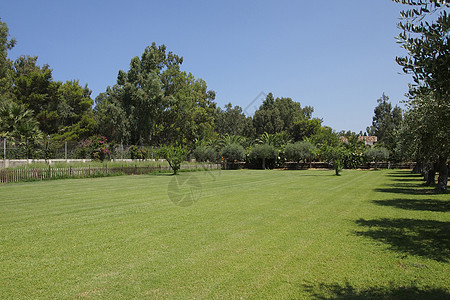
[(408, 175), (426, 238), (404, 182), (336, 291), (410, 180), (407, 190), (411, 204)]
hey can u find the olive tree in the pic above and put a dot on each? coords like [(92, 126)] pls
[(376, 155)]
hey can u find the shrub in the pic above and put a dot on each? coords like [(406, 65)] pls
[(352, 159), (264, 152), (232, 153), (137, 152), (300, 151), (204, 153), (376, 155), (95, 148)]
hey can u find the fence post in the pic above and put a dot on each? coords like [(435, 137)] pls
[(4, 150), (70, 170)]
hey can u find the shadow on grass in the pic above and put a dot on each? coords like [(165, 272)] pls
[(407, 190), (411, 204), (406, 175), (426, 238), (408, 180), (336, 291)]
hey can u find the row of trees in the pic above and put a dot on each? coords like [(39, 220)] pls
[(425, 133)]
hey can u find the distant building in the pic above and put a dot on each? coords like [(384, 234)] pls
[(368, 140), (343, 139)]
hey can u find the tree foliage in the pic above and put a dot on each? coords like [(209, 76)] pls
[(427, 43), (425, 37), (386, 122), (154, 102), (175, 155), (377, 154), (278, 115), (303, 150), (233, 152), (264, 152), (232, 121)]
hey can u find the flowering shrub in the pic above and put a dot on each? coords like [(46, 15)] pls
[(137, 152), (96, 148)]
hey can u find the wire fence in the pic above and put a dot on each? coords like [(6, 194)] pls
[(23, 149)]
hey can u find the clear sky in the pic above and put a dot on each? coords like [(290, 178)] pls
[(337, 56)]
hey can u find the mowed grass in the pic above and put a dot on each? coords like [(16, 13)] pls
[(226, 234)]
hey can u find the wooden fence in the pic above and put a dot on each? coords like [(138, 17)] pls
[(15, 175)]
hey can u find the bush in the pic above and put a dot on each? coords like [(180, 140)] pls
[(300, 151), (204, 153), (232, 153), (95, 148), (376, 155), (137, 152), (353, 159), (264, 152)]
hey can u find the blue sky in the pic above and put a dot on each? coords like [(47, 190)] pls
[(337, 56)]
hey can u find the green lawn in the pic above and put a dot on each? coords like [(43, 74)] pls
[(226, 234)]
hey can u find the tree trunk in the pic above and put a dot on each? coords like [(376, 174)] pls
[(429, 173), (264, 164), (443, 175), (417, 168)]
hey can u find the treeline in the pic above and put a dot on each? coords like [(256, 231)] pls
[(154, 103)]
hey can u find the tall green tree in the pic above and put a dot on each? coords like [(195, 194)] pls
[(6, 44), (386, 122), (34, 87), (114, 123), (280, 114), (154, 102), (189, 115), (425, 37), (231, 120), (305, 128), (62, 109)]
